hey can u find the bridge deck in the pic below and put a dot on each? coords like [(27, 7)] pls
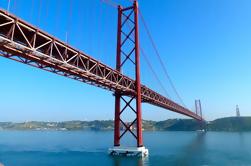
[(25, 43)]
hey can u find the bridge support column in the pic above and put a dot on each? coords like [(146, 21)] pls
[(198, 110), (128, 46)]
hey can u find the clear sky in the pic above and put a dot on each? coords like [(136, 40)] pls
[(205, 45)]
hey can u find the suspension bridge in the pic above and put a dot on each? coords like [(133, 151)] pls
[(25, 43)]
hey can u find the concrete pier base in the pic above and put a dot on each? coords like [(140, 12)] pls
[(128, 151)]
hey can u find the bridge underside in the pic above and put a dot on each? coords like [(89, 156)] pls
[(27, 44)]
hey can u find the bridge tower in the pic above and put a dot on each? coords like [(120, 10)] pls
[(198, 108), (128, 19)]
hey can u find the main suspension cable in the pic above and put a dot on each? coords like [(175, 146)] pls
[(149, 65), (159, 58), (158, 55), (153, 72), (110, 3)]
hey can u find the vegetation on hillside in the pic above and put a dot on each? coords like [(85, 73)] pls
[(230, 124), (223, 124)]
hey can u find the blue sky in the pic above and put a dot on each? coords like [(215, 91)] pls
[(205, 45)]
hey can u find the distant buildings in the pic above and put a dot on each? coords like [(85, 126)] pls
[(237, 111)]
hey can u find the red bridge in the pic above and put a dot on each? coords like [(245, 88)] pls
[(27, 44)]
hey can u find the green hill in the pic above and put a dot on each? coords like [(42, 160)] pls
[(230, 124), (222, 124)]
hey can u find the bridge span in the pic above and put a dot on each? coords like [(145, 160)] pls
[(27, 44)]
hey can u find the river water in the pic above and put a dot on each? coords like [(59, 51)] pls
[(83, 148)]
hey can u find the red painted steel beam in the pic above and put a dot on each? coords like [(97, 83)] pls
[(138, 83), (27, 44), (117, 93)]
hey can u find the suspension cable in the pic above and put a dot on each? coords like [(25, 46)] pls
[(153, 72), (32, 8), (149, 65), (113, 4), (8, 6), (159, 58), (110, 3), (69, 23), (158, 55), (47, 8), (100, 32), (57, 15), (39, 12)]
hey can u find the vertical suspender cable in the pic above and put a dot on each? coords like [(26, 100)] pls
[(32, 8), (81, 22), (14, 6), (57, 15), (99, 25), (90, 27), (69, 21), (39, 12), (8, 6), (47, 8), (115, 6)]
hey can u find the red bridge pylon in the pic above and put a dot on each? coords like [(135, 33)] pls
[(128, 19), (198, 108)]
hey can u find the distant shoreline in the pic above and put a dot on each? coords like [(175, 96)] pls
[(222, 124)]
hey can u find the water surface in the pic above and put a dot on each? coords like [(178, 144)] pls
[(77, 148)]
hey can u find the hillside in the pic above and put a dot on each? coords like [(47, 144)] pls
[(230, 124), (222, 124)]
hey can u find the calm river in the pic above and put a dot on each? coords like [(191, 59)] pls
[(83, 148)]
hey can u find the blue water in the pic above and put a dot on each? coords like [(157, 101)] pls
[(83, 148)]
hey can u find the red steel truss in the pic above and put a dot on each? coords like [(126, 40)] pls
[(27, 44)]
